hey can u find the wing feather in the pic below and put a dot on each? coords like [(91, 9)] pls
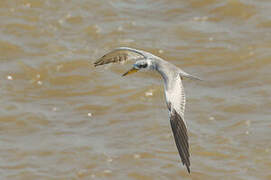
[(120, 55), (181, 138)]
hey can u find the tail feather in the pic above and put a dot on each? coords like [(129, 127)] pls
[(184, 74)]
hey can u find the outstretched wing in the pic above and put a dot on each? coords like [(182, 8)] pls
[(120, 54), (181, 138), (176, 104)]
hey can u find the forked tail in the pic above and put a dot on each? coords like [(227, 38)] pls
[(184, 74)]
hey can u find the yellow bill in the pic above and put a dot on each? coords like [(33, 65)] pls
[(133, 70)]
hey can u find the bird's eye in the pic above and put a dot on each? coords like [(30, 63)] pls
[(142, 65)]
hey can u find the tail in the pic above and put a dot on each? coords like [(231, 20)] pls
[(184, 74)]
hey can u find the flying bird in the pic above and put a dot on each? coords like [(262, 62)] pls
[(173, 88)]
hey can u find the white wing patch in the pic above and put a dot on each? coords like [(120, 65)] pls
[(175, 96), (183, 100)]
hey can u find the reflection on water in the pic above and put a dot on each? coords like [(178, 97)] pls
[(61, 118)]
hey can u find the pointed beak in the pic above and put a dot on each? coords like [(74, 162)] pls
[(133, 70)]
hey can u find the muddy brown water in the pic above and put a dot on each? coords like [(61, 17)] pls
[(61, 118)]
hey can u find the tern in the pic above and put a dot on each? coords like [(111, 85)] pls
[(173, 88)]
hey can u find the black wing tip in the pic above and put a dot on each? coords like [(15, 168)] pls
[(187, 165), (188, 169), (95, 64), (98, 63), (181, 138)]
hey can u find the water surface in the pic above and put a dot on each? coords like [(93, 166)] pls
[(61, 118)]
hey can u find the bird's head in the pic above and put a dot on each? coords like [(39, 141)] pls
[(145, 64)]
